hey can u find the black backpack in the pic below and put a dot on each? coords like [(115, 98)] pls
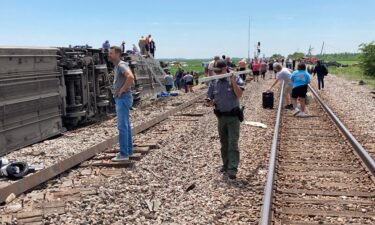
[(325, 70)]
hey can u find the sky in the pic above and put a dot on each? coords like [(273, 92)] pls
[(192, 28)]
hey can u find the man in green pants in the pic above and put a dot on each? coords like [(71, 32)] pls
[(224, 94)]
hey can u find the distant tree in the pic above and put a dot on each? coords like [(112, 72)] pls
[(345, 56), (296, 55), (276, 56), (367, 58)]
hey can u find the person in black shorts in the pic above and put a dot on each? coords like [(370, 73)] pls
[(299, 92), (189, 79), (301, 78), (270, 68), (256, 70)]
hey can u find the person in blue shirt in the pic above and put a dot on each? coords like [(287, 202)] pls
[(300, 79), (106, 46), (168, 80)]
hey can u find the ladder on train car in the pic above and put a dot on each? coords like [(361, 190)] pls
[(155, 64)]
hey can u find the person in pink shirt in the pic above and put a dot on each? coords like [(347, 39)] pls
[(256, 69)]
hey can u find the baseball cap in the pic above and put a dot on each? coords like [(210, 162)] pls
[(219, 65)]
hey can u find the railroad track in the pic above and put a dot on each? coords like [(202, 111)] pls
[(318, 173), (14, 189)]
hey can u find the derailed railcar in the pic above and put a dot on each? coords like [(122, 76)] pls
[(31, 94), (43, 91)]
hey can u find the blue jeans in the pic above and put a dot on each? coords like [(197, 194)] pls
[(123, 105)]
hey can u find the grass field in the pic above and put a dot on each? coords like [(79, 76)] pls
[(195, 65), (353, 73), (188, 65), (348, 62)]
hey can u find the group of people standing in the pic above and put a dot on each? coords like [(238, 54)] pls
[(147, 45), (182, 80), (224, 94), (106, 46), (296, 84)]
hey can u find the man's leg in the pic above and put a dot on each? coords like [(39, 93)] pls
[(319, 82), (322, 79), (129, 104), (294, 102), (122, 126), (303, 104), (223, 134), (287, 91), (233, 151)]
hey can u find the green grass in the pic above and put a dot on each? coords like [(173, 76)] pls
[(194, 65), (353, 73), (348, 62), (189, 65)]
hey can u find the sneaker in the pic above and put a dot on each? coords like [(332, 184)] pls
[(289, 106), (120, 158), (232, 177), (302, 114), (296, 111)]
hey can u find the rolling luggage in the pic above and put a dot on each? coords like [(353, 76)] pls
[(267, 100)]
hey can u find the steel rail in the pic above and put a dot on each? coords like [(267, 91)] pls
[(361, 151), (266, 212), (268, 190)]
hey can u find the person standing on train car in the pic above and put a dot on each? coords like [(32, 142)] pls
[(106, 46), (142, 45), (123, 79), (123, 47), (225, 95), (152, 48)]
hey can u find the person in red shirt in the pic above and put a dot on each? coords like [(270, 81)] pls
[(256, 69)]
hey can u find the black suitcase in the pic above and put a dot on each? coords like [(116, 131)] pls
[(267, 100)]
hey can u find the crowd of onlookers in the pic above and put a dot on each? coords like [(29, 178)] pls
[(147, 46), (294, 73), (183, 80)]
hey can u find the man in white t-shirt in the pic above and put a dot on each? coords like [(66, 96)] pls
[(211, 66), (283, 74), (274, 68), (189, 82)]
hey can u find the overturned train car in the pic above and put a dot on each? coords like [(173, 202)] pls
[(43, 91)]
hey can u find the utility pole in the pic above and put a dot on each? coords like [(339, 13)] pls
[(310, 51), (321, 51), (248, 42)]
